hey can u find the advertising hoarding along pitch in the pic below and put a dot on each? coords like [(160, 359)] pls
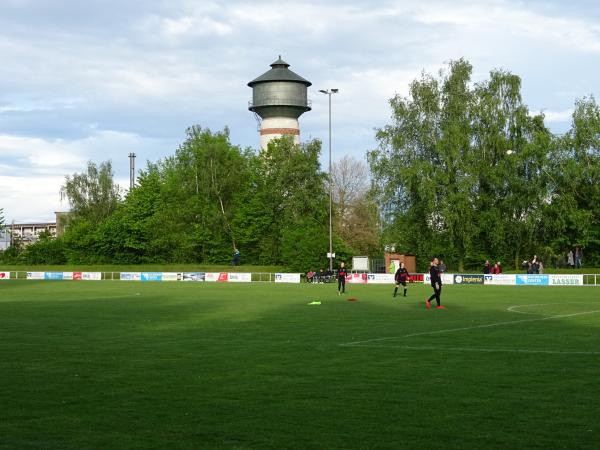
[(533, 280), (500, 279), (468, 279), (240, 277), (193, 276), (171, 276), (287, 278), (130, 276), (566, 280), (380, 278), (4, 275), (151, 276)]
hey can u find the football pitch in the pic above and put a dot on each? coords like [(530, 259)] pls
[(101, 365)]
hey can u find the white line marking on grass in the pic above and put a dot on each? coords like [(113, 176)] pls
[(453, 330), (483, 350), (514, 308)]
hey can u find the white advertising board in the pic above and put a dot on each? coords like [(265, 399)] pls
[(500, 279), (171, 276), (287, 278), (360, 263), (566, 280), (4, 275), (129, 276), (380, 278), (217, 276), (240, 277), (91, 276), (36, 275)]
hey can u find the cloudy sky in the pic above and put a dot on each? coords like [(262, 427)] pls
[(98, 79)]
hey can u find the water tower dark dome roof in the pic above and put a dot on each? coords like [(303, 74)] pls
[(279, 72)]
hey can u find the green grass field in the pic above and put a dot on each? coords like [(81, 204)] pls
[(100, 365)]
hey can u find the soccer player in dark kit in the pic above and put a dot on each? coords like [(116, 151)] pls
[(341, 274), (436, 284), (401, 278)]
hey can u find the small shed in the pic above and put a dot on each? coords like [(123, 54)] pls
[(393, 260)]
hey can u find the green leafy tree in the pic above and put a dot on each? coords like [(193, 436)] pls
[(460, 172), (93, 195)]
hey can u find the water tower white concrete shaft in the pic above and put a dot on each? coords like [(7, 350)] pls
[(279, 97)]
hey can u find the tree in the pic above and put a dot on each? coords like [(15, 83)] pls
[(356, 216), (442, 174), (93, 195), (293, 204), (572, 214)]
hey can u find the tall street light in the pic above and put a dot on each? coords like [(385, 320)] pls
[(328, 92)]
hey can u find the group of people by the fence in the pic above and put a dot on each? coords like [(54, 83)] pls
[(569, 260), (322, 276), (495, 269), (572, 260)]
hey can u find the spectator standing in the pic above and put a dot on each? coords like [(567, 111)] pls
[(570, 260), (487, 268), (578, 257), (236, 257), (442, 266)]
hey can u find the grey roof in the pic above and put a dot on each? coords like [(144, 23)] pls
[(279, 72)]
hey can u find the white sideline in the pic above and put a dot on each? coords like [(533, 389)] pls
[(482, 350), (452, 330)]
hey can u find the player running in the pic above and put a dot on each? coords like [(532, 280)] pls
[(436, 284), (401, 277), (341, 275)]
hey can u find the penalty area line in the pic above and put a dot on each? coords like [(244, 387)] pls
[(454, 330), (481, 350)]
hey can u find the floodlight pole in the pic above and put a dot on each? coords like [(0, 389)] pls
[(328, 92)]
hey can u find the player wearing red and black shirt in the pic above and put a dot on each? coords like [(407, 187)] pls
[(401, 277), (436, 284), (341, 274)]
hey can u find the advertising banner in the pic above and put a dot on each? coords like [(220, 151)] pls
[(4, 275), (130, 276), (67, 275), (151, 276), (171, 276), (287, 278), (77, 275), (418, 278), (447, 278), (216, 276), (35, 275), (500, 279), (240, 277), (357, 278), (533, 280), (90, 276), (566, 280), (53, 275), (468, 279), (380, 278), (193, 276)]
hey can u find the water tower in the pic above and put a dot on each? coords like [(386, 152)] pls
[(279, 97)]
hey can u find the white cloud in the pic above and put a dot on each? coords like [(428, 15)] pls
[(33, 169), (556, 116)]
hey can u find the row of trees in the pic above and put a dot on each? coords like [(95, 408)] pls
[(207, 199), (467, 172), (464, 171)]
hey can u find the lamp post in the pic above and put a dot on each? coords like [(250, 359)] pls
[(329, 92)]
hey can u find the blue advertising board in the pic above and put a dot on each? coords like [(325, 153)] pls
[(151, 276), (53, 276), (533, 280)]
